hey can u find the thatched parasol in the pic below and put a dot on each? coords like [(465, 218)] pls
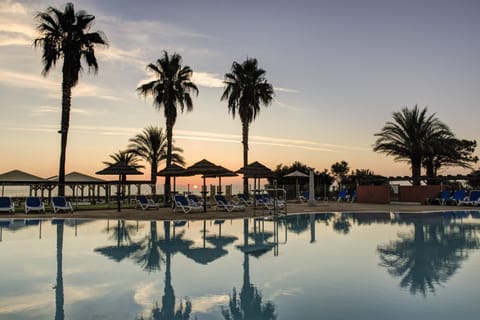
[(122, 169), (208, 170), (173, 170)]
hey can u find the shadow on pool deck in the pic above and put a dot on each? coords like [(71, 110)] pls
[(292, 208)]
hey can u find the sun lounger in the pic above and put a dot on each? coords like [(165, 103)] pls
[(264, 200), (182, 203), (458, 196), (34, 204), (343, 195), (443, 197), (472, 199), (242, 199), (304, 197), (144, 203), (60, 203), (196, 201), (223, 204), (6, 204)]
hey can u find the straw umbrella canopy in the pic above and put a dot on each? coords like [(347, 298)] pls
[(226, 173), (173, 170), (256, 170), (208, 170), (296, 174), (122, 169)]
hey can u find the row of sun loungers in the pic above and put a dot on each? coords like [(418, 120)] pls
[(459, 197), (58, 203), (192, 203)]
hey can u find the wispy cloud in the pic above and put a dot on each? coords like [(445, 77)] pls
[(286, 90), (16, 26), (288, 106), (42, 110), (201, 136), (206, 79), (28, 80), (50, 84)]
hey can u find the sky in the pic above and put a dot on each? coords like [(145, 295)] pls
[(339, 69)]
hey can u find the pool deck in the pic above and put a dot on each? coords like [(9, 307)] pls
[(292, 208)]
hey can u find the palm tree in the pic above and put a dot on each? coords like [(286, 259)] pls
[(127, 157), (246, 89), (171, 88), (151, 145), (449, 151), (410, 137), (65, 35)]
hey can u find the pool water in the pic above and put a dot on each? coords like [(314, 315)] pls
[(312, 266)]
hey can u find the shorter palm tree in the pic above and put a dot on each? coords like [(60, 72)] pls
[(124, 156), (151, 145), (127, 158), (410, 137)]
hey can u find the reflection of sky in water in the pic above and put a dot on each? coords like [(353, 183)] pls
[(301, 267)]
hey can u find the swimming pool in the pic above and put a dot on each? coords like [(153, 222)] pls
[(313, 266)]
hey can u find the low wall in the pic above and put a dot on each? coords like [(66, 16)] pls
[(418, 193), (383, 194), (373, 194)]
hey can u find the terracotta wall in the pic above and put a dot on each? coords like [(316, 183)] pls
[(418, 193), (373, 194), (382, 194)]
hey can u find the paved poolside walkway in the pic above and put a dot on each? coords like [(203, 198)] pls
[(168, 214)]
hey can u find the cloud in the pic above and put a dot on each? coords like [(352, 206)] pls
[(288, 106), (28, 80), (41, 110), (14, 28), (206, 79), (51, 84), (199, 136), (286, 90)]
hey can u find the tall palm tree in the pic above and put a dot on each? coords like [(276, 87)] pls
[(171, 88), (151, 145), (246, 89), (410, 137), (64, 34)]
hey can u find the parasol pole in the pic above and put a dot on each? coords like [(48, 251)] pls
[(204, 191)]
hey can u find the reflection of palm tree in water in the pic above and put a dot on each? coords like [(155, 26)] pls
[(248, 305), (121, 234), (149, 256), (430, 256), (167, 310), (59, 297)]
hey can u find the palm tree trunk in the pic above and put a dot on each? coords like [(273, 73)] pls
[(153, 177), (66, 103), (169, 159), (416, 171), (245, 154)]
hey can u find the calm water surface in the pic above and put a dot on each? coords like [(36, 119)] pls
[(314, 266)]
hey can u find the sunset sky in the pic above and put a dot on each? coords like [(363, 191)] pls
[(339, 68)]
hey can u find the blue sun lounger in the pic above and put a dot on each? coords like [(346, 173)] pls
[(34, 204), (60, 203), (182, 202), (222, 203), (144, 203), (6, 204)]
